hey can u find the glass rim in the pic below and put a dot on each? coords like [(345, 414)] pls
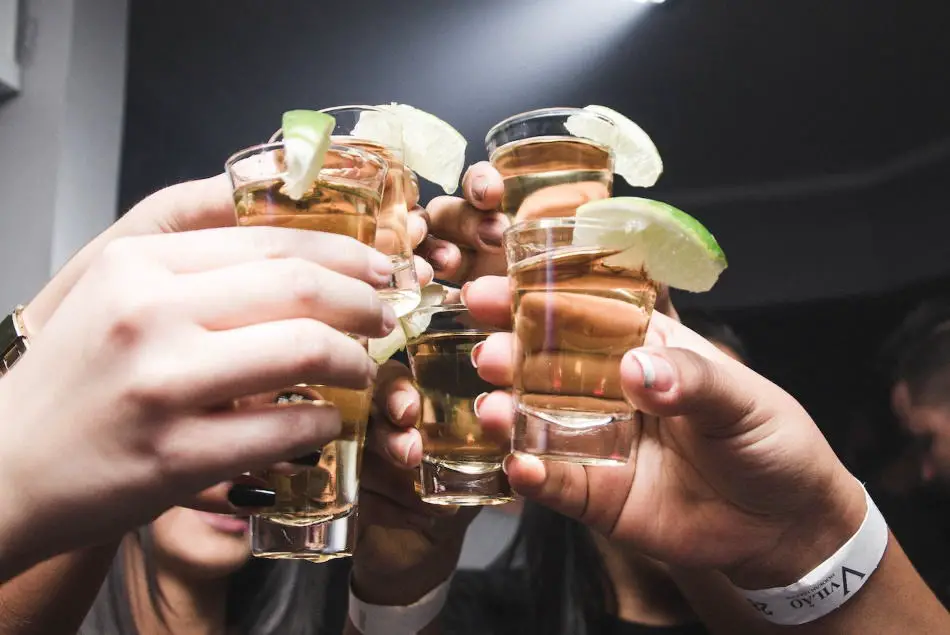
[(554, 222), (357, 107), (259, 148), (401, 150), (539, 113), (432, 309)]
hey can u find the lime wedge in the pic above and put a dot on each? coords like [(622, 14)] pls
[(306, 141), (637, 159), (381, 349), (434, 149), (409, 327), (669, 245), (379, 126)]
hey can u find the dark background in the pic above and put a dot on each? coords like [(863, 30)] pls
[(812, 137)]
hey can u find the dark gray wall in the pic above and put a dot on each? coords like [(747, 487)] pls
[(811, 136)]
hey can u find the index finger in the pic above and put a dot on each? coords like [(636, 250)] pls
[(199, 251), (200, 204)]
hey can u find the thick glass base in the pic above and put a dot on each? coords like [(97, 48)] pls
[(466, 484), (574, 437), (318, 542)]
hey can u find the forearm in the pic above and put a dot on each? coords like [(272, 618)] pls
[(404, 586), (54, 597), (717, 604), (895, 599)]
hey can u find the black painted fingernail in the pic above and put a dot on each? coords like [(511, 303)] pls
[(249, 496), (308, 460)]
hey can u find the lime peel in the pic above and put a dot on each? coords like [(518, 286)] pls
[(669, 245), (636, 158), (306, 141), (411, 326), (434, 149)]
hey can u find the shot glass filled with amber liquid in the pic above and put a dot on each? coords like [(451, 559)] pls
[(461, 463)]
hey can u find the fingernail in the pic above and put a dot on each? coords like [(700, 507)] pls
[(402, 401), (309, 460), (505, 462), (474, 353), (439, 258), (491, 230), (389, 318), (463, 292), (479, 187), (381, 264), (478, 402), (247, 496), (658, 375), (408, 452)]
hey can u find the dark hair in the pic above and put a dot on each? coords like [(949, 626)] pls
[(265, 597), (714, 330), (918, 352)]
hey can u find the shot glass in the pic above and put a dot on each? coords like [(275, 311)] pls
[(575, 315), (549, 168), (380, 132), (461, 464), (318, 542), (345, 199)]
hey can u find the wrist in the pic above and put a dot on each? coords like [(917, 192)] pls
[(402, 589), (13, 500), (808, 538)]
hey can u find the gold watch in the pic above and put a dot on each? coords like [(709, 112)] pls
[(13, 339)]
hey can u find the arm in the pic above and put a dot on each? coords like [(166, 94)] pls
[(54, 597), (397, 562), (894, 600)]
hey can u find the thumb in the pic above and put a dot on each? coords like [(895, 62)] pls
[(202, 204), (483, 187), (718, 396)]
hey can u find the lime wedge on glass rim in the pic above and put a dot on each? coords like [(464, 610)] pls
[(306, 141), (669, 245), (410, 326), (434, 149), (636, 158)]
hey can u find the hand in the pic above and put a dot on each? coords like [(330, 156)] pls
[(115, 413), (465, 234), (729, 472), (406, 547), (190, 206)]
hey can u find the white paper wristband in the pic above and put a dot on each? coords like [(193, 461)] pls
[(373, 619), (830, 584)]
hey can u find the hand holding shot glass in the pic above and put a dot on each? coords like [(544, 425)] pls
[(306, 183), (346, 176), (584, 270)]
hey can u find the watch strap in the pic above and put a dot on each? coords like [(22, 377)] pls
[(13, 340)]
